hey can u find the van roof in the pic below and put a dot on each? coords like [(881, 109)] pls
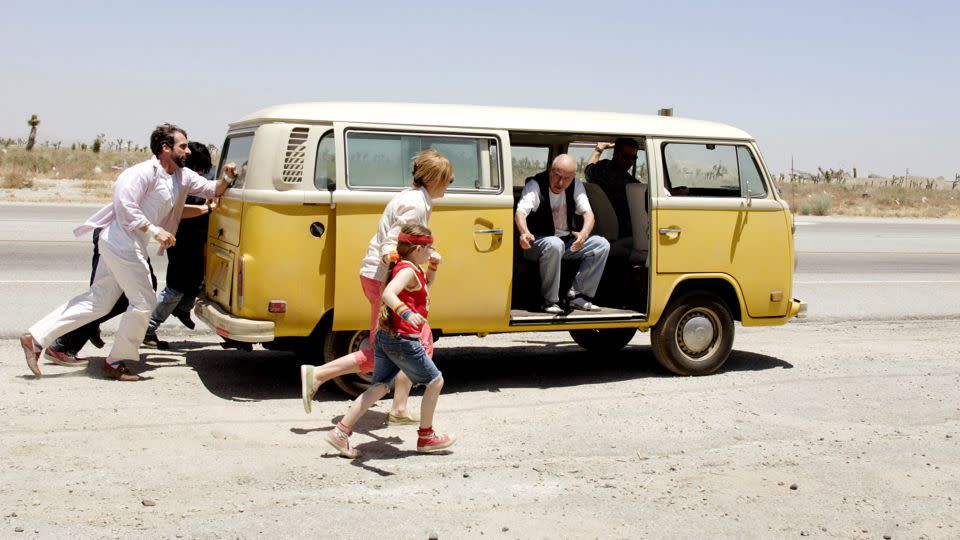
[(482, 117)]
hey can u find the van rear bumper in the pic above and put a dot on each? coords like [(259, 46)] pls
[(230, 327), (798, 309)]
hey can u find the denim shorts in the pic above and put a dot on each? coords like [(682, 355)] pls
[(393, 353)]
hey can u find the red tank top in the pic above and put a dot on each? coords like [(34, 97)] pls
[(417, 299)]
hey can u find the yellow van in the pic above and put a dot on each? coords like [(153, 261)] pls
[(712, 241)]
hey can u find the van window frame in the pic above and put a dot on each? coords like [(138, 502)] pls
[(419, 133), (549, 149), (239, 183), (331, 182), (735, 145)]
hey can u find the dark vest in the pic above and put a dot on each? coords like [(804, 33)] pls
[(540, 221)]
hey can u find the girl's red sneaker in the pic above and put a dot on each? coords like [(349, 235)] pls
[(434, 442)]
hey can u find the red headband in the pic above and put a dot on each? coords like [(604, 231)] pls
[(411, 239)]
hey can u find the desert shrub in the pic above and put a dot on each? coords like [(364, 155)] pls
[(816, 205), (16, 180), (38, 161)]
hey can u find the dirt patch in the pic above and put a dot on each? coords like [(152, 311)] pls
[(843, 430)]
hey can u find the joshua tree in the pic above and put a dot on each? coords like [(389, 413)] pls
[(33, 122), (98, 142)]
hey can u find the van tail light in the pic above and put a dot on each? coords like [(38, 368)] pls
[(240, 268), (277, 306)]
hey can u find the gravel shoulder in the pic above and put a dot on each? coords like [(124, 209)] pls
[(845, 430)]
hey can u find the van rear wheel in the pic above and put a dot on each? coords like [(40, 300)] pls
[(605, 340), (337, 344), (694, 336)]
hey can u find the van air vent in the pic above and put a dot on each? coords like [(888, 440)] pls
[(293, 160)]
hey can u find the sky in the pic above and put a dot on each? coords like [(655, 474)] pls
[(839, 84)]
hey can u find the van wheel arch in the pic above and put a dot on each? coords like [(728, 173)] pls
[(720, 288), (339, 343), (334, 344)]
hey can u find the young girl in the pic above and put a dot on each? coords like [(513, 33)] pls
[(432, 174), (397, 346)]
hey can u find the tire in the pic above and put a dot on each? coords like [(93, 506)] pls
[(337, 344), (694, 336), (607, 340)]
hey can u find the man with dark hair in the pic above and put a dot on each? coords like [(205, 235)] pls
[(554, 219), (148, 199), (185, 266), (613, 175)]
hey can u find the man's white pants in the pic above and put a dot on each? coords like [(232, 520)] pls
[(117, 273)]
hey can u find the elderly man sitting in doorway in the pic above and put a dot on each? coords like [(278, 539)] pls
[(554, 220)]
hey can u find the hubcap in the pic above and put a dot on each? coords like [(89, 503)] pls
[(696, 333)]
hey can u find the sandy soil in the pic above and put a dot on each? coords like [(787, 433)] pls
[(62, 191), (828, 430)]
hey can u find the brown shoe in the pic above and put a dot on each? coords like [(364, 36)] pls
[(63, 358), (119, 372), (30, 353)]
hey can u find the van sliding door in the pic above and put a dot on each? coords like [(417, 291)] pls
[(472, 224)]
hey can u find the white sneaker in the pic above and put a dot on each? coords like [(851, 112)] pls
[(341, 441), (553, 309), (583, 304)]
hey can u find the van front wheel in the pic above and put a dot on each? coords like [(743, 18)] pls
[(607, 340), (694, 336), (337, 344)]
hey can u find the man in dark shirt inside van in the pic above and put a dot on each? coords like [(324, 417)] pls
[(613, 175), (554, 219)]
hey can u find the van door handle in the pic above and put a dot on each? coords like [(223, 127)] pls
[(488, 231), (672, 233)]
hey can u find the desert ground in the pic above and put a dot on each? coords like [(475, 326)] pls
[(829, 430)]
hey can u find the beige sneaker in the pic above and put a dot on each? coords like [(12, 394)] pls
[(398, 420), (307, 389)]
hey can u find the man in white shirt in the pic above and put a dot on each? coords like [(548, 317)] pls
[(148, 201), (560, 229)]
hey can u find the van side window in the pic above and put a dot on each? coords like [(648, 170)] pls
[(325, 173), (750, 174), (383, 159), (528, 161), (710, 170), (237, 150)]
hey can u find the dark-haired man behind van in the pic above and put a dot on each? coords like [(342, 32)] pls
[(613, 175)]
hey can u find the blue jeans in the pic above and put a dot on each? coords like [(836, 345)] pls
[(393, 353), (168, 301), (548, 251)]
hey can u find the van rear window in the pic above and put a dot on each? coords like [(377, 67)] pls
[(237, 150), (383, 160)]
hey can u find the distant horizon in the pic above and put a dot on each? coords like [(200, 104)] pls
[(834, 84)]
